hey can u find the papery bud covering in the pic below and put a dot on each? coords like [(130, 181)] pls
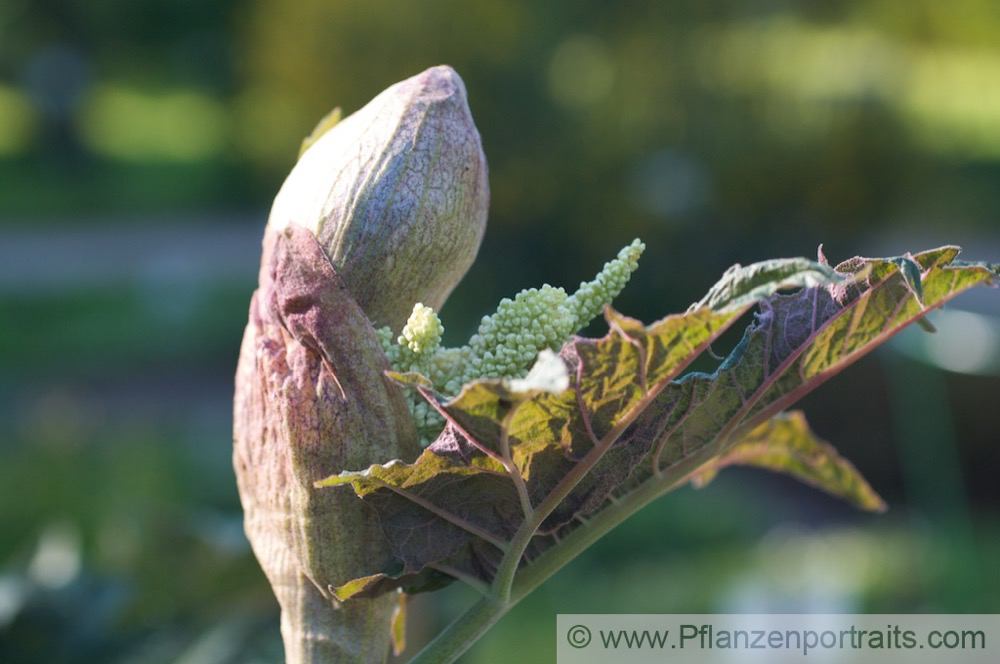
[(396, 194)]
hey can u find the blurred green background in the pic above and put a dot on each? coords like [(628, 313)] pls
[(141, 144)]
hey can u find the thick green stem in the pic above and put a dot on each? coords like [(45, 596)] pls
[(463, 632)]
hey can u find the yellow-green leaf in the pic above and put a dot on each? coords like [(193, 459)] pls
[(786, 444)]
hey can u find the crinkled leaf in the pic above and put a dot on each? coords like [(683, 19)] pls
[(509, 463), (458, 503), (742, 285), (806, 338), (786, 444), (433, 507), (795, 343)]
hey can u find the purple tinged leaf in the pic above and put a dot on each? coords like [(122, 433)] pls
[(813, 335), (463, 472), (547, 460), (796, 343), (744, 285), (786, 444)]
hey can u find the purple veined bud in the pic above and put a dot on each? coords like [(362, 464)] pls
[(385, 209), (396, 194)]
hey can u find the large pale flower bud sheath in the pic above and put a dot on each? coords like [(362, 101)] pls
[(385, 209), (396, 194)]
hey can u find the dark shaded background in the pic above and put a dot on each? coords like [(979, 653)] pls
[(141, 144)]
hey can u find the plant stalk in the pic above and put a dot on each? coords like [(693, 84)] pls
[(316, 631), (465, 630)]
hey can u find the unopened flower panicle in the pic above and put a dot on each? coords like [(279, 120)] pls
[(507, 342)]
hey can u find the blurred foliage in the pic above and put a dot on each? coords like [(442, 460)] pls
[(776, 125), (718, 132)]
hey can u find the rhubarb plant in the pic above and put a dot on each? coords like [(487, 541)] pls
[(537, 442)]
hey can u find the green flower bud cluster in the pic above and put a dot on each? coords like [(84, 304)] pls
[(507, 342)]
